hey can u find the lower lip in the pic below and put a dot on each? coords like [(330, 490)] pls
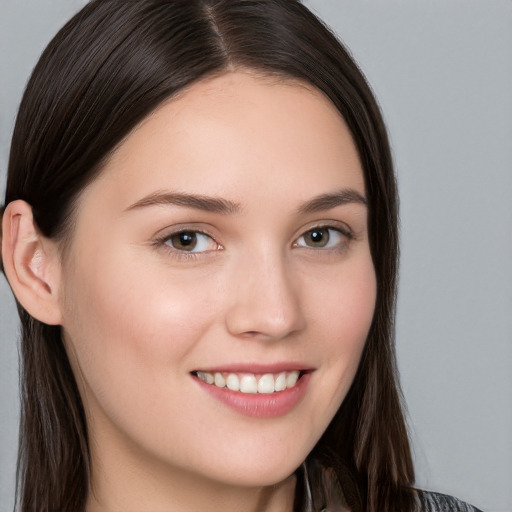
[(260, 405)]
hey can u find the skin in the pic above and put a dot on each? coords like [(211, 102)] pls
[(139, 315)]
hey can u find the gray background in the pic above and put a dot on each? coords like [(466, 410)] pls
[(442, 70)]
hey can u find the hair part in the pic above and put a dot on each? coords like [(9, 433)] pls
[(106, 70)]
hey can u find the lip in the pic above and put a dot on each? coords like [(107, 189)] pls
[(258, 368), (256, 405)]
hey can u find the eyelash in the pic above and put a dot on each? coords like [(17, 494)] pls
[(162, 241), (340, 246)]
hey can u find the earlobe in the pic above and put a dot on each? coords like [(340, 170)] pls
[(31, 264)]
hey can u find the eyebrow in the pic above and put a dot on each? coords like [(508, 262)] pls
[(197, 202), (224, 206), (327, 201)]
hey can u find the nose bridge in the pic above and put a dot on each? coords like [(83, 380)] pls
[(265, 298)]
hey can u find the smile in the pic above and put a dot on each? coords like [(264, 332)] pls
[(251, 383), (262, 393)]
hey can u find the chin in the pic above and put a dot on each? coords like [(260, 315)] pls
[(257, 473)]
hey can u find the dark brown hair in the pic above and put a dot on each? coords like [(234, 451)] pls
[(105, 71)]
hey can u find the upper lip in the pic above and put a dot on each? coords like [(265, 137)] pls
[(259, 367)]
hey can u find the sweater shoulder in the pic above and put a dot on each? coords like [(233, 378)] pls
[(436, 502)]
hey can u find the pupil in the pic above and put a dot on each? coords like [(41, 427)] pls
[(186, 240), (319, 237)]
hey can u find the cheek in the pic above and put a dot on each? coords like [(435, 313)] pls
[(356, 307), (121, 301), (129, 332), (343, 305), (342, 316)]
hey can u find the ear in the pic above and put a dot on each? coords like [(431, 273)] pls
[(31, 264)]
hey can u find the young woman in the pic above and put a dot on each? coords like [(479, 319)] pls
[(200, 229)]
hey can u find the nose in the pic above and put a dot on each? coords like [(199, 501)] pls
[(265, 299)]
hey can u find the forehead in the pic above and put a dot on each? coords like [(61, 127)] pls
[(236, 135)]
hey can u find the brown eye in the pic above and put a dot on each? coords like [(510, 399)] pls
[(317, 237), (191, 241), (323, 238)]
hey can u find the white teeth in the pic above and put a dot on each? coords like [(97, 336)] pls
[(233, 382), (266, 383), (280, 384), (205, 377), (292, 379), (250, 383), (220, 381)]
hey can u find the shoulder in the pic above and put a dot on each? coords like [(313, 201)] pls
[(435, 502)]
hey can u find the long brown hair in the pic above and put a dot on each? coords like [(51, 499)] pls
[(106, 70)]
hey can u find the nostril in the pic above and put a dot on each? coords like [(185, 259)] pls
[(251, 334)]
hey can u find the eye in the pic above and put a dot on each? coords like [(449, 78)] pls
[(191, 241), (323, 238)]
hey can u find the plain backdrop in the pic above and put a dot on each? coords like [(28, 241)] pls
[(442, 71)]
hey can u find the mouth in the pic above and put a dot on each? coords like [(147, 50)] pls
[(252, 383), (257, 391)]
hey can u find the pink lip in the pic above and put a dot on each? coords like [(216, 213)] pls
[(259, 405)]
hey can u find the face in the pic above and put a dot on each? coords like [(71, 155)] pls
[(226, 241)]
